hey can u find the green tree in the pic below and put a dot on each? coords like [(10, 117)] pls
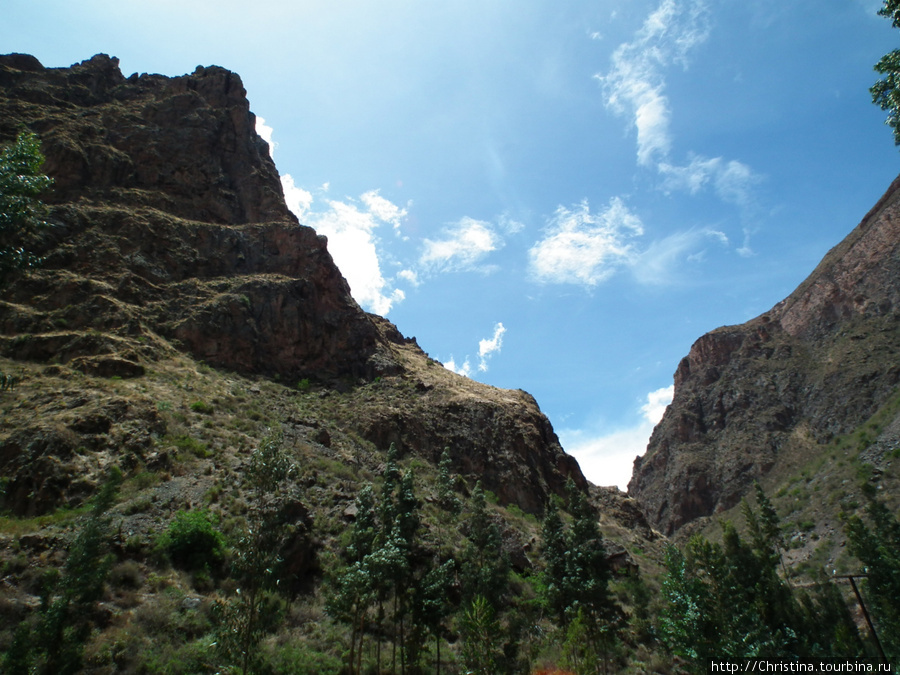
[(55, 643), (877, 545), (432, 603), (886, 91), (484, 570), (576, 576), (482, 635), (383, 571), (553, 550), (447, 499), (21, 212), (728, 600), (244, 619)]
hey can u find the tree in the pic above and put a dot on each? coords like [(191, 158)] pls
[(728, 600), (485, 566), (886, 92), (576, 577), (244, 619), (21, 212), (482, 634), (382, 570), (878, 547), (432, 604), (54, 646)]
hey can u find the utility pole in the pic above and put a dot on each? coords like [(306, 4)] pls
[(853, 578)]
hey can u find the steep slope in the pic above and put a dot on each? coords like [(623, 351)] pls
[(763, 397), (172, 239)]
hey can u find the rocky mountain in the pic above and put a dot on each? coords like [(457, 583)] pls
[(172, 249), (760, 400)]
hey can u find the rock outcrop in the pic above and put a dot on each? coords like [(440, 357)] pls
[(171, 234), (815, 366)]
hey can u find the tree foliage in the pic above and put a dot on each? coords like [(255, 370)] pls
[(21, 211), (729, 600), (877, 545), (244, 619), (576, 579), (54, 643), (886, 91)]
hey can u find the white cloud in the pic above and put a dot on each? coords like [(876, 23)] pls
[(265, 132), (635, 84), (657, 402), (384, 209), (486, 350), (583, 247), (608, 459), (465, 369), (487, 347), (409, 276), (351, 235), (352, 242), (298, 200), (465, 244)]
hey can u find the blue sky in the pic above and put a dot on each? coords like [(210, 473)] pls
[(556, 197)]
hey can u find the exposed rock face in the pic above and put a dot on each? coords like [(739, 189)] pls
[(816, 365), (172, 234)]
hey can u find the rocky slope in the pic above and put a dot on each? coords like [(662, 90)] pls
[(172, 241), (763, 398)]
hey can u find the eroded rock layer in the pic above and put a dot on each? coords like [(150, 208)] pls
[(816, 365), (171, 234)]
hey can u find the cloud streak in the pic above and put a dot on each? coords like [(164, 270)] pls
[(635, 84), (635, 87)]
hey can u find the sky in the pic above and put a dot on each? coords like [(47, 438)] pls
[(555, 197)]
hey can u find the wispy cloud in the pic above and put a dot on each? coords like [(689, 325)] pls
[(582, 247), (659, 262), (384, 209), (488, 347), (732, 181), (608, 458), (463, 247), (635, 87), (635, 84)]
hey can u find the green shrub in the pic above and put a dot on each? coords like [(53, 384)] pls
[(192, 542), (202, 407), (190, 444)]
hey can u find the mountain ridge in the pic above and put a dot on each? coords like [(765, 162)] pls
[(171, 235), (815, 366)]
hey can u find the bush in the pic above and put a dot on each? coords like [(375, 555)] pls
[(192, 542), (203, 407)]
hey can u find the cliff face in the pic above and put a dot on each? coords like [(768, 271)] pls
[(815, 366), (171, 236)]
